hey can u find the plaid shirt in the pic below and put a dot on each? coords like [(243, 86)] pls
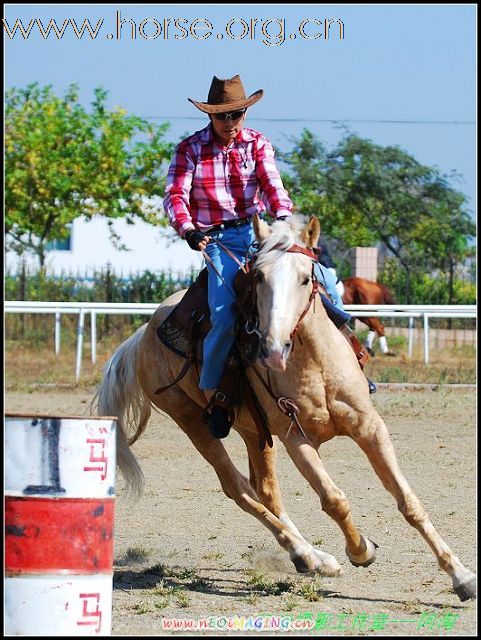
[(208, 185)]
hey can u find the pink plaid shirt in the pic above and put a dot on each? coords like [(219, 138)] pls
[(208, 185)]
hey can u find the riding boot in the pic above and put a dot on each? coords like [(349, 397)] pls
[(219, 422), (221, 417), (219, 414), (360, 351)]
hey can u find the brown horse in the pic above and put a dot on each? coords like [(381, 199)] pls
[(310, 394), (362, 291)]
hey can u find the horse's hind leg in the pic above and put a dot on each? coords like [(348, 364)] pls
[(369, 342), (360, 550), (379, 449), (188, 416), (377, 326), (263, 478)]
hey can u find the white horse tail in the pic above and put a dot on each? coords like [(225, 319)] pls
[(121, 395)]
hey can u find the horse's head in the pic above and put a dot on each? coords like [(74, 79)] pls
[(284, 284)]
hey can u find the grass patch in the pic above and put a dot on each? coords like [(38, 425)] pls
[(200, 584), (140, 607), (133, 554), (290, 603), (214, 555), (169, 593), (311, 591), (260, 583)]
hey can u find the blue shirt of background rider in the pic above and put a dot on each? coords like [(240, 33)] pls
[(325, 272)]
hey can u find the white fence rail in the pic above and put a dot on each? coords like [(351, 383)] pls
[(426, 312)]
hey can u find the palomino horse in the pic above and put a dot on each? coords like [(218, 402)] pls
[(362, 291), (320, 380)]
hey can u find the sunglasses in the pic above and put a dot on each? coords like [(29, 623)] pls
[(234, 115)]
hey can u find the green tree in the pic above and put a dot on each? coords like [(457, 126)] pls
[(62, 162), (310, 187), (365, 194)]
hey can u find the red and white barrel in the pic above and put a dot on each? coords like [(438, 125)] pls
[(59, 524)]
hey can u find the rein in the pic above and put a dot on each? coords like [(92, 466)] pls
[(231, 255)]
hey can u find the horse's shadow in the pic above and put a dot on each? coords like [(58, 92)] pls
[(152, 577), (128, 579)]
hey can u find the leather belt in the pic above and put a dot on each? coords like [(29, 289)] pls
[(237, 222)]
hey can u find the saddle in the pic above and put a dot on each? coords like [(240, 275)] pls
[(189, 322), (186, 326), (184, 330)]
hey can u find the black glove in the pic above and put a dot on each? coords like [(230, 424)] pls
[(193, 238)]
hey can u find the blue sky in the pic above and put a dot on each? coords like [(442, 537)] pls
[(412, 63)]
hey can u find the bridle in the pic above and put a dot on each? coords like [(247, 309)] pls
[(295, 248)]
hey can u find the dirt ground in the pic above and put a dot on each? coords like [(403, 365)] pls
[(185, 551)]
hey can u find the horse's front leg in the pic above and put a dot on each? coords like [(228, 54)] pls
[(377, 445), (360, 550), (263, 478), (188, 415)]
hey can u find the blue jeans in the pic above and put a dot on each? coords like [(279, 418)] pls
[(328, 280), (220, 338)]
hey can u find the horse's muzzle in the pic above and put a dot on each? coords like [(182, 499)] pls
[(273, 357)]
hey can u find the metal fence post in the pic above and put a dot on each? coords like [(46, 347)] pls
[(57, 332), (80, 339), (426, 338), (93, 335), (410, 337)]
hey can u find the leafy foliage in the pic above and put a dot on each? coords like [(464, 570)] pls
[(63, 162), (365, 194)]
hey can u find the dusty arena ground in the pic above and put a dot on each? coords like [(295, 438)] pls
[(185, 551)]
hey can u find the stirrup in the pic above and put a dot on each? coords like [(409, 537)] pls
[(372, 386)]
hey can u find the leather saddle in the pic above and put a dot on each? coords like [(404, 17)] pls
[(184, 329)]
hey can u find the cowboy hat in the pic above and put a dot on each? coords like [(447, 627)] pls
[(227, 95)]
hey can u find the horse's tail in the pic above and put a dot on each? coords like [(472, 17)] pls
[(121, 395)]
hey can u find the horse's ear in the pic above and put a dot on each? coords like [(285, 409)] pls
[(311, 232), (261, 228)]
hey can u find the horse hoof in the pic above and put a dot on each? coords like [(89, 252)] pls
[(366, 558), (324, 564), (466, 590), (329, 566)]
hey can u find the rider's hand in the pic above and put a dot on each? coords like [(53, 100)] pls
[(196, 240)]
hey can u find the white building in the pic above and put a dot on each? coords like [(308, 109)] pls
[(90, 249)]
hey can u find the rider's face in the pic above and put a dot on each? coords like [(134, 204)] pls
[(225, 131)]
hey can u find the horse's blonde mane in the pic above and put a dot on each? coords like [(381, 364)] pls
[(284, 234)]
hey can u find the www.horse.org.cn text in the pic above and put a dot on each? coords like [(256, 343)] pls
[(271, 32)]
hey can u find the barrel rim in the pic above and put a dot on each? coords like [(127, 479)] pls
[(55, 416)]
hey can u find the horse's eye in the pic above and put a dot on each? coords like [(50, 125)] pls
[(305, 281)]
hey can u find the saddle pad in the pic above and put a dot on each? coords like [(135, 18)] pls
[(173, 335)]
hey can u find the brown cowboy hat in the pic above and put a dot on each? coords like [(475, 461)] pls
[(227, 95)]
